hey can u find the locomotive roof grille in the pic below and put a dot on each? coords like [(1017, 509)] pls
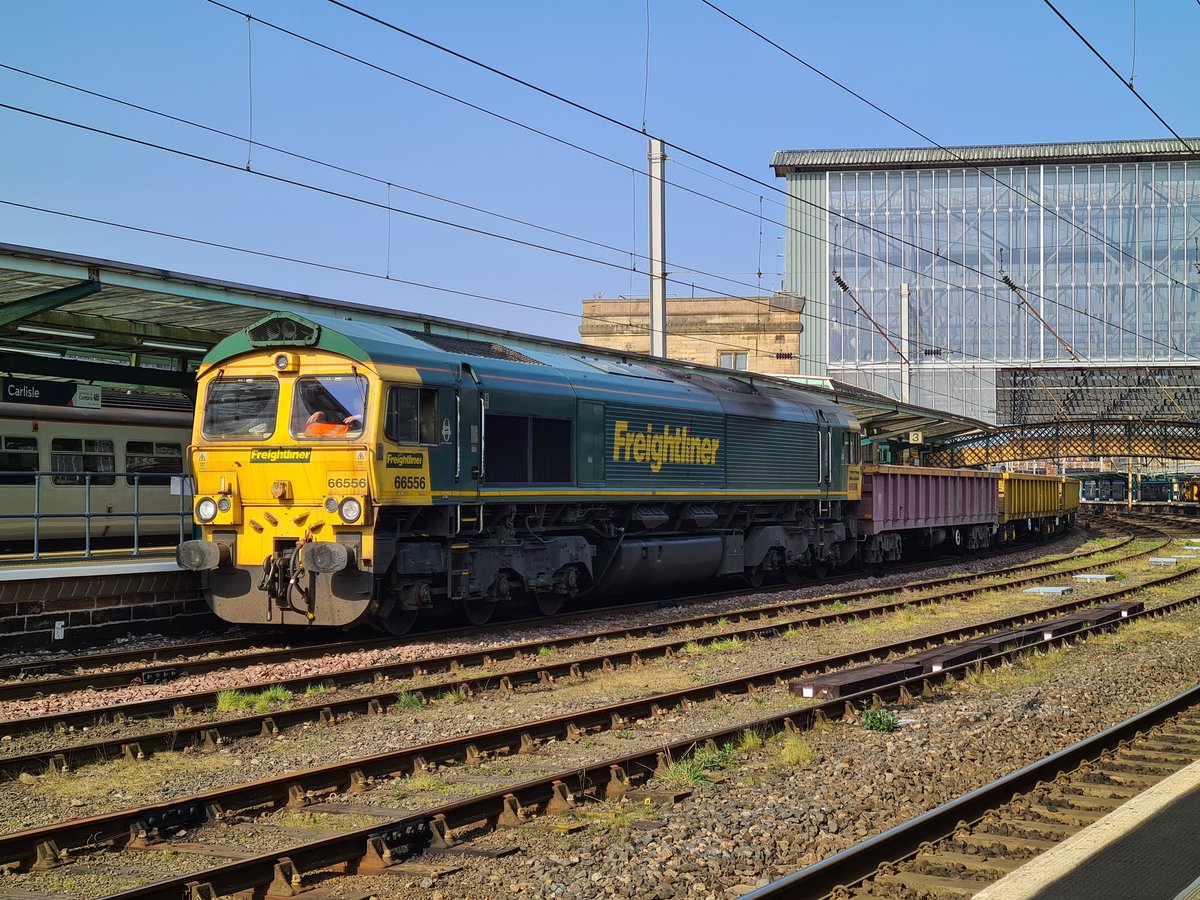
[(471, 347), (284, 330)]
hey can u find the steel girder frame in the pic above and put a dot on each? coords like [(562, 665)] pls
[(1058, 440)]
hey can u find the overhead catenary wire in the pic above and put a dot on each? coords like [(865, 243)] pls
[(1128, 84), (347, 270), (492, 113), (626, 126), (631, 128), (711, 162), (956, 157), (259, 173), (852, 325)]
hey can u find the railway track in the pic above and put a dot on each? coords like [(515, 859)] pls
[(209, 735), (386, 841), (747, 624), (162, 664), (958, 849), (176, 666)]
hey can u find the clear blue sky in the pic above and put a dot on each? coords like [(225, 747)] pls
[(963, 72)]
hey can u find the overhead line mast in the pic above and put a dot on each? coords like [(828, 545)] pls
[(658, 250)]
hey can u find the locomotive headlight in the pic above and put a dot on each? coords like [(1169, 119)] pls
[(206, 510), (331, 504), (224, 504), (350, 510), (286, 362)]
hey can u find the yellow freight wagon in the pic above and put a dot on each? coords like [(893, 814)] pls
[(1035, 504)]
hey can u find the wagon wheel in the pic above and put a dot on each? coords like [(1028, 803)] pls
[(960, 542), (548, 604), (792, 574), (820, 568), (476, 611), (755, 576), (399, 622)]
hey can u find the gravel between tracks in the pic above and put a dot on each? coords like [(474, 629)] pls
[(769, 816), (415, 648)]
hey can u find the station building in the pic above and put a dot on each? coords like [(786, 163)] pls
[(902, 256), (756, 334)]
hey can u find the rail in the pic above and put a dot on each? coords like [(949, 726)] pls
[(102, 502)]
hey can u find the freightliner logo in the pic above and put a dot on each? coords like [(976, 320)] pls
[(669, 445), (281, 454), (404, 460)]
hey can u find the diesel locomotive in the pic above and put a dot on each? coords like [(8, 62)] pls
[(353, 472)]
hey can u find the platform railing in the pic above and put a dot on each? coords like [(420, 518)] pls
[(31, 502)]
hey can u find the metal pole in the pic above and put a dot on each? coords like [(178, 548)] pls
[(658, 251), (905, 365)]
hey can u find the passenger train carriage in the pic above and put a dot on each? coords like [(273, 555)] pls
[(71, 476), (349, 472)]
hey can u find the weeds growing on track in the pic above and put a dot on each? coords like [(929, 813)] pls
[(234, 700), (880, 720), (408, 700), (796, 752)]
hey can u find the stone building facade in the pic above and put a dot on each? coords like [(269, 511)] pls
[(756, 334)]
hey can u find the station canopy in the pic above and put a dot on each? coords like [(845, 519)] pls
[(94, 320)]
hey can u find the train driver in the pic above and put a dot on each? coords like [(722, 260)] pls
[(321, 425)]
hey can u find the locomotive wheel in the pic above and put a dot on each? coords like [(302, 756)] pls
[(399, 622), (792, 574), (820, 569), (477, 612), (755, 576), (548, 604)]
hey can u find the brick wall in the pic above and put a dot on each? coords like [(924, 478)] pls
[(93, 609)]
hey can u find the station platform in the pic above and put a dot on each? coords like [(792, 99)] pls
[(63, 600), (1143, 850), (24, 569)]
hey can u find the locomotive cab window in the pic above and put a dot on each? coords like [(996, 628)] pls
[(145, 457), (70, 458), (527, 450), (411, 416), (329, 407), (241, 408), (851, 443), (18, 455)]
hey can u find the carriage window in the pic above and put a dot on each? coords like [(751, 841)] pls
[(412, 415), (70, 458), (143, 457), (18, 454), (241, 408), (329, 407)]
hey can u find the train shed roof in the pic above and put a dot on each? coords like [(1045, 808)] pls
[(119, 323)]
